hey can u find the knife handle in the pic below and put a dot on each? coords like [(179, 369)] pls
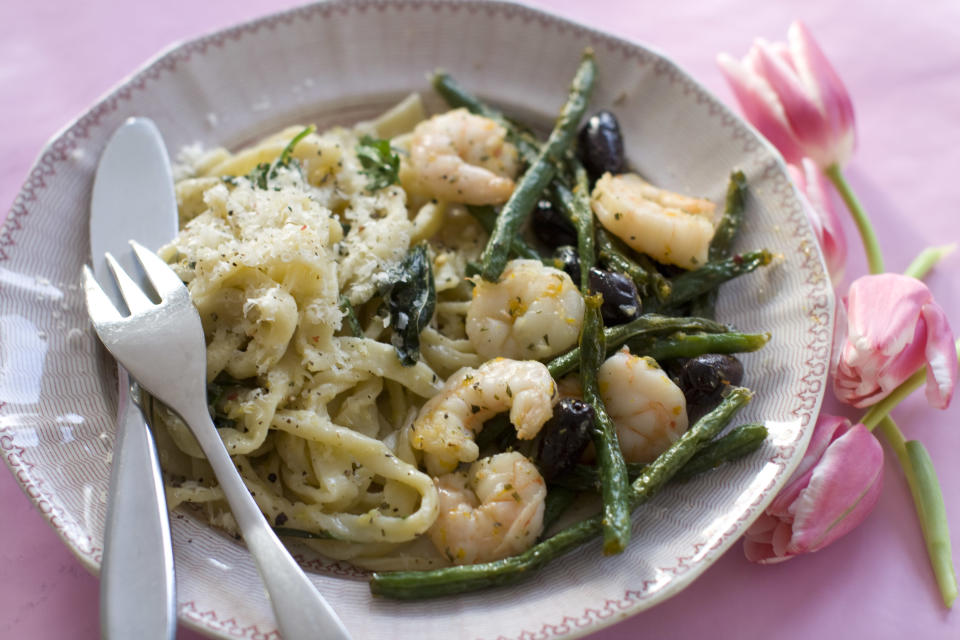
[(136, 578)]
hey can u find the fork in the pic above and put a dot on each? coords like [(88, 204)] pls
[(163, 347)]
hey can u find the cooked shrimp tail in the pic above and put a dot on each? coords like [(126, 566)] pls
[(445, 427), (461, 157), (669, 227), (492, 512), (532, 312)]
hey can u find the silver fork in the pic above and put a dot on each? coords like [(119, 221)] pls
[(162, 346)]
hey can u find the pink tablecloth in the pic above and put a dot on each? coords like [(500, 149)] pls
[(901, 62)]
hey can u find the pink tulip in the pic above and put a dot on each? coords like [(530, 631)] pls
[(832, 491), (824, 220), (894, 327), (792, 95)]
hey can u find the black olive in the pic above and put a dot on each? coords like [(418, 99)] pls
[(673, 368), (567, 259), (703, 379), (712, 371), (621, 302), (564, 437), (550, 226), (600, 145)]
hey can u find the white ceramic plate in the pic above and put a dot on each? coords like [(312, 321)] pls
[(335, 63)]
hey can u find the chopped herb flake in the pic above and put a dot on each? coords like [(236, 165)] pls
[(381, 164)]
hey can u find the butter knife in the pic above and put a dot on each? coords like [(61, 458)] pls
[(133, 199)]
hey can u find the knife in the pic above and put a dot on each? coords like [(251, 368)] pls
[(133, 199)]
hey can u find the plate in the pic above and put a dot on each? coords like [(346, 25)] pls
[(339, 62)]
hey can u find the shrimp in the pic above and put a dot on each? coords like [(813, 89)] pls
[(532, 312), (492, 512), (669, 227), (445, 427), (461, 157), (648, 409)]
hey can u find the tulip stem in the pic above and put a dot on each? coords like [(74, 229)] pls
[(867, 235), (879, 411), (882, 409), (928, 501), (928, 259)]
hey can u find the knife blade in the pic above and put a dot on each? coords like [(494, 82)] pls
[(133, 198)]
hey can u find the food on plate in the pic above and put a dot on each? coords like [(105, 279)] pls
[(413, 373)]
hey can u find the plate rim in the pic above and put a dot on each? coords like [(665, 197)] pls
[(165, 61)]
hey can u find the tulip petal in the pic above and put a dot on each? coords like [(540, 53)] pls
[(804, 115), (883, 310), (823, 218), (843, 490), (894, 328), (833, 241), (757, 539), (839, 483), (840, 329), (764, 539), (941, 356), (886, 373), (780, 540), (827, 429), (760, 106), (815, 69)]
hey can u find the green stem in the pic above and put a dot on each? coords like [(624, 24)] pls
[(897, 442), (927, 259), (870, 244), (879, 411), (933, 519), (928, 501)]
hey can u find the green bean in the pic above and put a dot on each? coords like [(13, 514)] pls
[(690, 284), (536, 178), (351, 316), (487, 218), (694, 439), (577, 205), (451, 580), (644, 274), (558, 501), (723, 238), (732, 217), (640, 268), (737, 443), (646, 324), (456, 96), (613, 470), (691, 345)]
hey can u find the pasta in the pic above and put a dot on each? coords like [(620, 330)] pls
[(316, 418), (353, 358)]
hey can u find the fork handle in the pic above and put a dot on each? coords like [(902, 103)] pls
[(300, 611), (136, 579)]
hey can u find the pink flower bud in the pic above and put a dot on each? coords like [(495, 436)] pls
[(833, 490), (894, 327), (792, 95), (824, 220)]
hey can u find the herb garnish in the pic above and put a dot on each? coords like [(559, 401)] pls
[(264, 172), (381, 164), (411, 297)]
